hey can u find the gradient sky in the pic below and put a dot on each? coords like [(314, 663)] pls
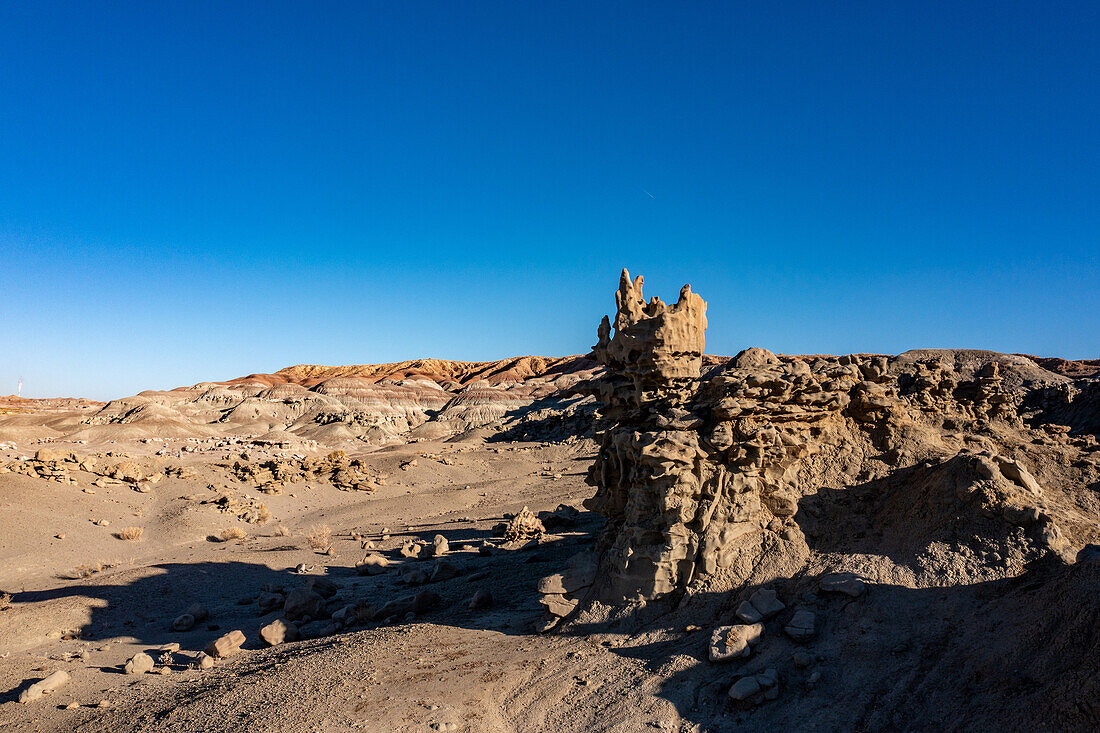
[(198, 191)]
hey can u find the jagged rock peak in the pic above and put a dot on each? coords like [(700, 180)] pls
[(654, 343)]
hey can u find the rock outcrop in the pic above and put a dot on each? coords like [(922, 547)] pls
[(701, 475)]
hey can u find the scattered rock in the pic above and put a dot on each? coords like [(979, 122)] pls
[(303, 602), (268, 602), (801, 625), (524, 526), (732, 642), (481, 599), (849, 584), (44, 686), (184, 622), (140, 663), (440, 546), (557, 604), (372, 564), (761, 606), (412, 549), (444, 570), (225, 646), (279, 631), (755, 689), (323, 587)]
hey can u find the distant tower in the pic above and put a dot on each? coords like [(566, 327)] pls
[(20, 392)]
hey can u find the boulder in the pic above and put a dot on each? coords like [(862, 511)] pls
[(303, 602), (372, 564), (279, 631), (44, 686), (226, 645), (184, 622), (140, 663)]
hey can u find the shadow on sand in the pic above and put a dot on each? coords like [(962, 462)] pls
[(1021, 653)]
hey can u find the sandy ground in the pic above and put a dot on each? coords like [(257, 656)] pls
[(961, 656), (91, 626)]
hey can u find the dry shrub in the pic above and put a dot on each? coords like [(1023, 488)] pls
[(320, 538), (281, 531), (232, 533), (132, 534), (87, 571)]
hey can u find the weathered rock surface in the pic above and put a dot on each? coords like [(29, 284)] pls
[(44, 686), (733, 642), (279, 631), (225, 646), (140, 663)]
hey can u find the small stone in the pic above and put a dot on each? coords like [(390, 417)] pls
[(481, 599), (732, 642), (802, 659), (186, 622), (440, 546), (205, 660), (849, 584), (44, 686), (140, 663), (72, 706), (801, 625), (744, 688), (225, 646), (303, 602), (372, 564), (103, 704), (279, 631)]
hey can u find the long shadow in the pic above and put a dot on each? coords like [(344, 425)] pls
[(904, 514), (144, 609), (545, 420), (962, 658)]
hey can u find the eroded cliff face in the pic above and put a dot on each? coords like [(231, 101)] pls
[(702, 475)]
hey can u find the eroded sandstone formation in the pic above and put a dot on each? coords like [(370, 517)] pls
[(702, 475)]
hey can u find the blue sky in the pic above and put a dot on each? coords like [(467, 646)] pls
[(194, 191)]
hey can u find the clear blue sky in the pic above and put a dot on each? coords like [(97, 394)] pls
[(194, 191)]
